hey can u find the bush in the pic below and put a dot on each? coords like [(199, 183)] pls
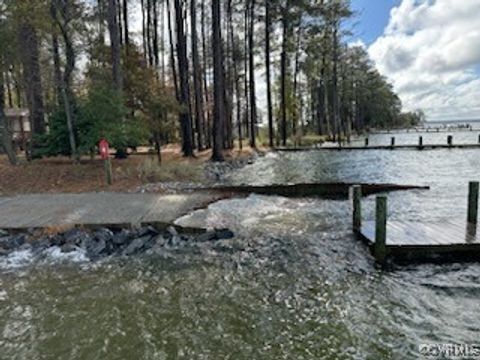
[(101, 114)]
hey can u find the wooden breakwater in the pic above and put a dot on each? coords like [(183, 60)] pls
[(338, 190), (393, 145), (407, 242)]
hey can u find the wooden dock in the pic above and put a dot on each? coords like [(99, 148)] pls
[(406, 242), (415, 241)]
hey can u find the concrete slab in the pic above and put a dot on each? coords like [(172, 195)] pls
[(97, 209)]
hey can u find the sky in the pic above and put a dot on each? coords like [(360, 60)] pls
[(428, 49)]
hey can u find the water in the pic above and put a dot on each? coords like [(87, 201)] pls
[(293, 284)]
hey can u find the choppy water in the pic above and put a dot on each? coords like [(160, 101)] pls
[(293, 284)]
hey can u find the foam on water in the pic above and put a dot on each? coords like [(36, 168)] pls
[(52, 256)]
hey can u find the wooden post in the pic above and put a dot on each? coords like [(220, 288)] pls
[(420, 142), (366, 142), (473, 202), (357, 208), (392, 142), (381, 229), (449, 140), (108, 171), (479, 139)]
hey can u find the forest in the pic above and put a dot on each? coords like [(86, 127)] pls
[(152, 72)]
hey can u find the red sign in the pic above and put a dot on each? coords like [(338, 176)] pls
[(104, 148)]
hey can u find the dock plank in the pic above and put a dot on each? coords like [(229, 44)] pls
[(423, 234), (412, 241)]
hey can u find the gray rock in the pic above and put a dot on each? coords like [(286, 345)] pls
[(96, 248), (12, 242), (175, 240), (41, 244), (207, 236), (4, 252), (121, 238), (103, 235), (3, 233), (149, 230), (68, 248), (87, 241), (57, 240), (74, 236), (172, 231), (224, 234), (136, 245), (160, 241), (221, 234)]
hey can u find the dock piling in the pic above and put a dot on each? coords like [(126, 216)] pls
[(450, 140), (366, 142), (420, 142), (473, 202), (392, 142), (357, 207), (380, 229)]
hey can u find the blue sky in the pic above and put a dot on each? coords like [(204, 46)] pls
[(371, 18)]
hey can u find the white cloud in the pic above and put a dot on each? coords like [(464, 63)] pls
[(430, 50)]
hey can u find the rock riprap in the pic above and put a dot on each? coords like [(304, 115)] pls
[(106, 242)]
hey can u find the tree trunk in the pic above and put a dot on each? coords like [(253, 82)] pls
[(57, 72), (207, 127), (66, 90), (185, 119), (5, 131), (156, 51), (268, 27), (296, 98), (218, 83), (9, 88), (236, 77), (335, 105), (119, 21), (144, 29), (149, 33), (32, 76), (283, 74), (125, 25), (197, 78), (115, 45), (246, 89), (172, 51), (253, 101)]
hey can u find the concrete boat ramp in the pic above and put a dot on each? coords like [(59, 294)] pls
[(98, 209)]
